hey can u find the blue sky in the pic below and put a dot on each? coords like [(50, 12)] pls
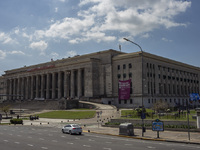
[(33, 32)]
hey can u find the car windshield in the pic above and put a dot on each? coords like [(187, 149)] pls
[(77, 126)]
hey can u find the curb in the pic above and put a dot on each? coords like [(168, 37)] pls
[(142, 138)]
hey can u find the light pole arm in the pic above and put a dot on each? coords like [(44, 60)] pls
[(133, 43)]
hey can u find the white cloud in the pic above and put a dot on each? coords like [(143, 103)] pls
[(54, 55), (2, 54), (56, 9), (98, 19), (166, 40), (17, 52), (71, 53), (6, 39), (41, 45), (145, 35)]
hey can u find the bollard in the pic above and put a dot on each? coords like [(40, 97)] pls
[(40, 123), (48, 122), (88, 130), (31, 124)]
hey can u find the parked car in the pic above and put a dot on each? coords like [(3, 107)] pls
[(72, 129)]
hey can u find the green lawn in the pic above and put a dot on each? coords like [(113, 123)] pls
[(68, 114)]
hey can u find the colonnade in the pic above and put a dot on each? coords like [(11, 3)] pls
[(68, 84)]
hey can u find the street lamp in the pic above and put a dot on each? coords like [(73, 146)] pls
[(142, 116)]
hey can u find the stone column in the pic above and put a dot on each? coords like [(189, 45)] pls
[(47, 89), (79, 84), (59, 85), (11, 89), (32, 85), (27, 88), (22, 88), (42, 86), (66, 84), (14, 88), (37, 86), (18, 88), (53, 85), (72, 84)]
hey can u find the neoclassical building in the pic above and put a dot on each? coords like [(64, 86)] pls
[(96, 77)]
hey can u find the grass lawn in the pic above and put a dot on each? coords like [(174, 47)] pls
[(68, 114), (132, 114)]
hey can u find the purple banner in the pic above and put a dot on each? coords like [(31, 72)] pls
[(124, 89)]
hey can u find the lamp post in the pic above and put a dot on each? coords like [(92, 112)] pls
[(142, 116)]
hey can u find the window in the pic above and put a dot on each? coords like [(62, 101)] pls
[(131, 88), (159, 67), (119, 101), (119, 75), (131, 101), (124, 66), (124, 75), (130, 65), (147, 65), (149, 101), (125, 101), (130, 75), (118, 67)]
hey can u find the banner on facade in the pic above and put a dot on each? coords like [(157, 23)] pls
[(124, 89), (194, 97)]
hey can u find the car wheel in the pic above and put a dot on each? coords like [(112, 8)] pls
[(63, 131), (70, 132), (79, 133)]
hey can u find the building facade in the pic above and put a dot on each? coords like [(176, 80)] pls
[(96, 76)]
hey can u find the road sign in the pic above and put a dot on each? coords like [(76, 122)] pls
[(157, 125), (143, 115)]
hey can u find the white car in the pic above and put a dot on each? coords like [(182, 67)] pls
[(72, 129)]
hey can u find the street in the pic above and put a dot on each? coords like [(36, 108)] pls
[(51, 138)]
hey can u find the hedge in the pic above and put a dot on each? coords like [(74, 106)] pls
[(16, 121)]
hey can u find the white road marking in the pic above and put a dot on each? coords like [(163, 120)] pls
[(91, 140), (5, 140), (11, 134), (70, 143), (50, 134), (54, 141), (41, 139), (17, 143), (109, 142), (44, 147), (108, 148), (63, 136), (77, 138), (29, 137), (19, 135), (30, 145), (128, 144), (150, 147), (86, 145)]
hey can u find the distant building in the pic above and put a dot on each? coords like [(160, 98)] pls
[(95, 77)]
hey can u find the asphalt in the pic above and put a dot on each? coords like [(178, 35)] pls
[(106, 112)]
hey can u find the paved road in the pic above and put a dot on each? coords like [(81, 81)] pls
[(50, 138)]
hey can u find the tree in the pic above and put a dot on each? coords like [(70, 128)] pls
[(160, 106), (5, 109)]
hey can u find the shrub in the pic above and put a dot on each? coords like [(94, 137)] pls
[(16, 121)]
